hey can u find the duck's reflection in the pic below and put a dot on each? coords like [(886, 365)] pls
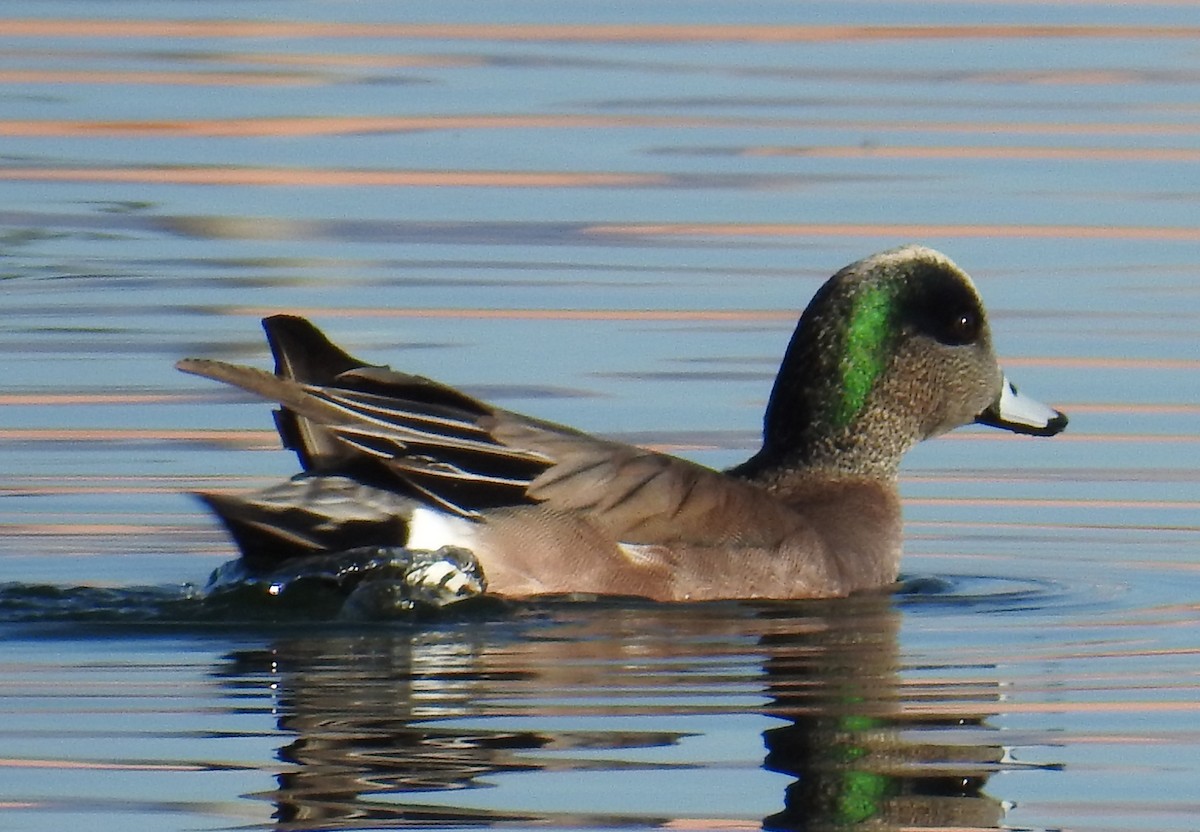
[(866, 745), (385, 724)]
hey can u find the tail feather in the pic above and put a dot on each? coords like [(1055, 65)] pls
[(309, 515), (409, 433), (303, 353)]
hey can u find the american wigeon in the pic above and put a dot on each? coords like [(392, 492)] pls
[(893, 349)]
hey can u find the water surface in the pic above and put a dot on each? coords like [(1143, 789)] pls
[(611, 216)]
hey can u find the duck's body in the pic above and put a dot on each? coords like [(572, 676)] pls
[(892, 350)]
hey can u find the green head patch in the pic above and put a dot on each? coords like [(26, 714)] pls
[(866, 349)]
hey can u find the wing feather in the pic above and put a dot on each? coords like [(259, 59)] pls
[(413, 435)]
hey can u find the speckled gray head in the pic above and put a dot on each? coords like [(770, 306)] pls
[(892, 349)]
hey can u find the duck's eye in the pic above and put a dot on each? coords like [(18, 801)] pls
[(943, 306), (960, 327)]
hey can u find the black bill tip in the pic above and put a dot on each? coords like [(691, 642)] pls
[(1022, 414)]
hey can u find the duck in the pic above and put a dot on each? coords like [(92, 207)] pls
[(893, 349)]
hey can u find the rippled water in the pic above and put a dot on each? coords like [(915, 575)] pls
[(607, 215)]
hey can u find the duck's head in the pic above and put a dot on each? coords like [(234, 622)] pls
[(893, 349)]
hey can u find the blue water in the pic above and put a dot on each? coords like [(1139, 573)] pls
[(607, 215)]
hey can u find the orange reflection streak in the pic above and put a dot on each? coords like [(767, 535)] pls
[(146, 482), (371, 61), (1074, 436), (991, 128), (338, 125), (313, 177), (619, 33), (12, 762), (980, 708), (140, 528), (114, 486), (942, 529), (303, 76), (349, 125), (525, 314), (239, 437), (907, 231), (1082, 154), (260, 438), (1106, 363), (1038, 502), (222, 79), (1164, 409), (92, 398)]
